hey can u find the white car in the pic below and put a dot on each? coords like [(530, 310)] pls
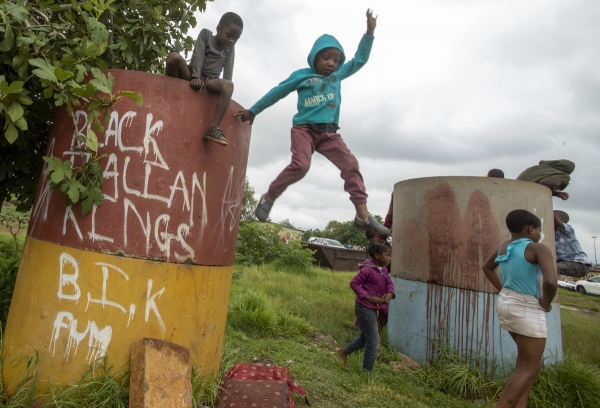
[(326, 242), (591, 286), (568, 284)]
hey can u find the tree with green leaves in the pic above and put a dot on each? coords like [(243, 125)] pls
[(249, 203), (51, 55)]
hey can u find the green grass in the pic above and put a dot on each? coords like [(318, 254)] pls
[(297, 318), (574, 299), (581, 336), (325, 301)]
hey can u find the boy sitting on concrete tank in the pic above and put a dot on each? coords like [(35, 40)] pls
[(212, 54), (554, 174), (570, 258)]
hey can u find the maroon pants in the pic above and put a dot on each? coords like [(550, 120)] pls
[(305, 141)]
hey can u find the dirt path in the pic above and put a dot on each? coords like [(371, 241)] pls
[(580, 310)]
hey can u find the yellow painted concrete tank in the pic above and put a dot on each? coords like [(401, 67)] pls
[(155, 260)]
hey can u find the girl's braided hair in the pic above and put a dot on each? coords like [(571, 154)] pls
[(378, 246), (231, 18)]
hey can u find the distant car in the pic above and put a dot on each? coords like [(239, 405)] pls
[(591, 286), (568, 284), (326, 242)]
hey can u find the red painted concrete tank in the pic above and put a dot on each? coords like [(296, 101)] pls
[(444, 229), (155, 260)]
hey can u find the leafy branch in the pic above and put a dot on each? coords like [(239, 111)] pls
[(49, 50), (85, 182)]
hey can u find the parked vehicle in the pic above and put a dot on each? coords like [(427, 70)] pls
[(568, 284), (325, 241), (591, 286)]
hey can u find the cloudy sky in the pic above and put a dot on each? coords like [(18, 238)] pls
[(453, 87)]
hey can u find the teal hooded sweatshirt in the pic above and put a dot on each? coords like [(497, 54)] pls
[(319, 97)]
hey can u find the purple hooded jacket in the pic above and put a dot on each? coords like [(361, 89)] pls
[(373, 281)]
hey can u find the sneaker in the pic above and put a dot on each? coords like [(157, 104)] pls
[(216, 135), (371, 225), (263, 208)]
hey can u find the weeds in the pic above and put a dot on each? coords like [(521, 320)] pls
[(562, 385), (454, 375), (253, 314), (568, 384), (97, 387)]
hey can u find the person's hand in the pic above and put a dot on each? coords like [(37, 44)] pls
[(387, 298), (371, 22), (246, 115), (376, 300), (196, 83), (562, 195), (548, 309)]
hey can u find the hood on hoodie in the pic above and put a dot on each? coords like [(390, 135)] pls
[(566, 166), (324, 41), (369, 262)]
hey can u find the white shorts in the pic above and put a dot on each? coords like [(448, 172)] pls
[(521, 314)]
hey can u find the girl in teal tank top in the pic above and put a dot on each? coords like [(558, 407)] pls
[(522, 299), (516, 272)]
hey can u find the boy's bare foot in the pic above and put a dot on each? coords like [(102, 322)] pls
[(216, 135), (342, 353)]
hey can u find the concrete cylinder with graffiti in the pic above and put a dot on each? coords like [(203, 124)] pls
[(444, 229), (154, 260)]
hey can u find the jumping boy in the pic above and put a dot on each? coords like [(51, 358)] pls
[(316, 123), (212, 54), (523, 300)]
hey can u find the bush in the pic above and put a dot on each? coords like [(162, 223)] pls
[(9, 266), (11, 245), (261, 243), (253, 314)]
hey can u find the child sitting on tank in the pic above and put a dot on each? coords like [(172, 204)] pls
[(570, 258), (212, 55)]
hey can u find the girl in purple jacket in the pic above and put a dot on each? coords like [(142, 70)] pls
[(374, 290)]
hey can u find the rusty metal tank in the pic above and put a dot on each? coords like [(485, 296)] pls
[(444, 228), (336, 258), (155, 260)]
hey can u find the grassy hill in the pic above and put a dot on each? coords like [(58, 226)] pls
[(298, 318)]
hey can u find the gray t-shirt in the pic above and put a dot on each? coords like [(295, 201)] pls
[(208, 59)]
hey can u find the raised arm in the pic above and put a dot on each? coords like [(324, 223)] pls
[(371, 23), (364, 49), (558, 223)]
